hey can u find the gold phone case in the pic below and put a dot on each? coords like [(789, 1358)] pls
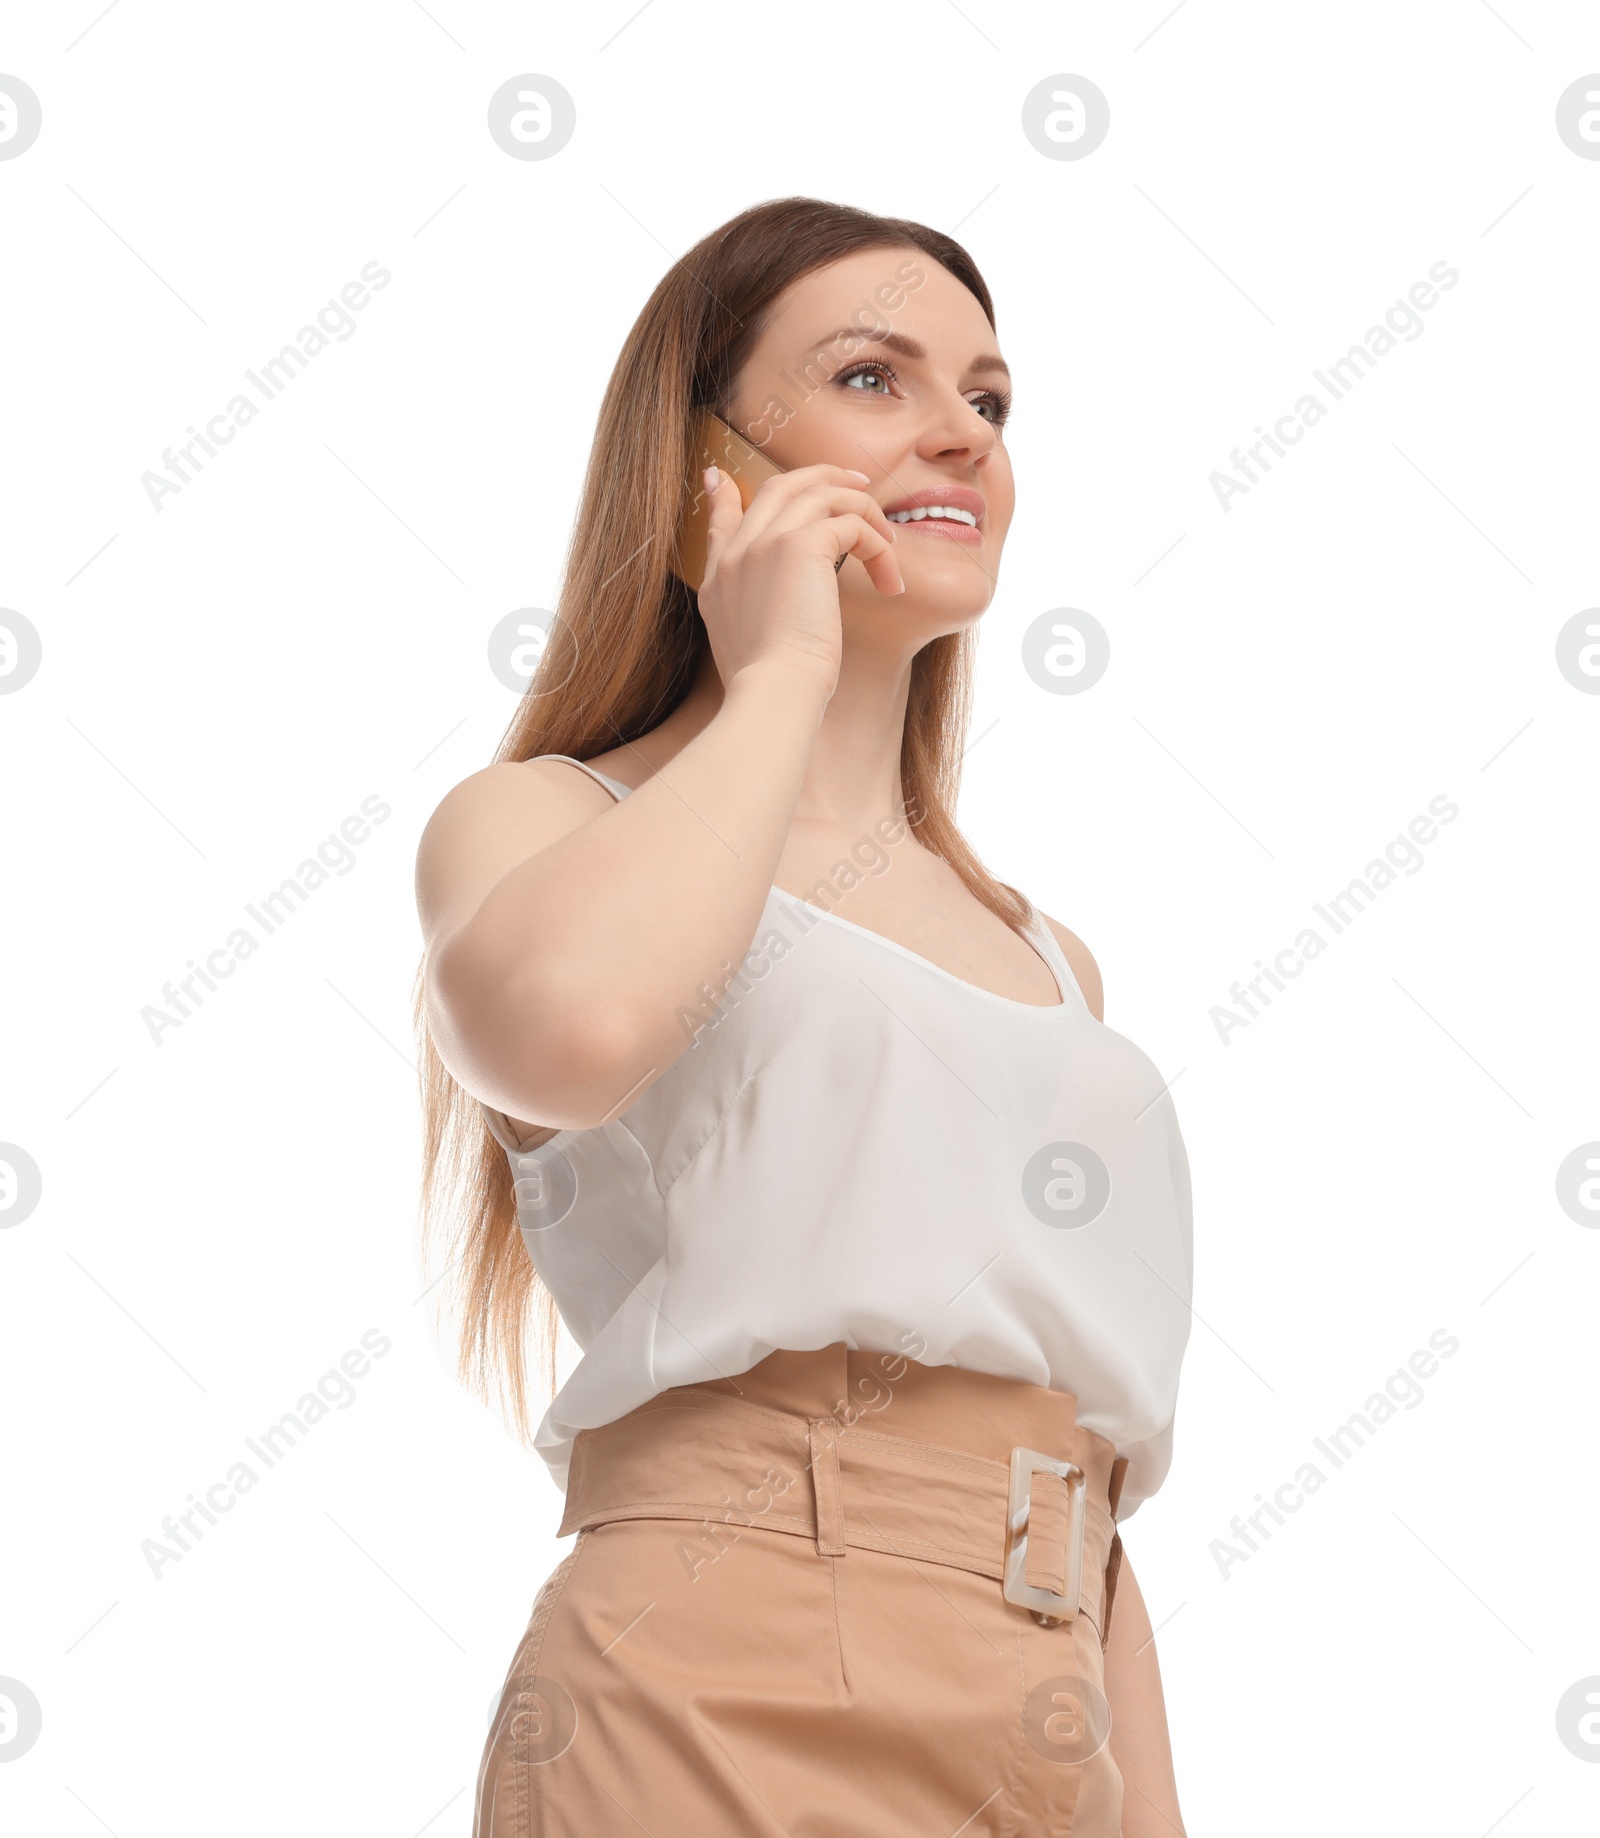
[(715, 444)]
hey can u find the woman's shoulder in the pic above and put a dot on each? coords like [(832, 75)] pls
[(549, 794), (489, 822)]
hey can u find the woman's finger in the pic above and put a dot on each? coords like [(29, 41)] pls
[(776, 495), (724, 513), (827, 499), (874, 551)]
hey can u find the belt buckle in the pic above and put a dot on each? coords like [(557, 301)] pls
[(1045, 1603)]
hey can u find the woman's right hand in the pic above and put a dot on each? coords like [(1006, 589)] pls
[(771, 586)]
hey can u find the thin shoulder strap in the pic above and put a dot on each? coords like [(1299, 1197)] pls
[(1057, 958), (500, 1129), (615, 786)]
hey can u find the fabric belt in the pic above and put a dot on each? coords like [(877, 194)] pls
[(693, 1453)]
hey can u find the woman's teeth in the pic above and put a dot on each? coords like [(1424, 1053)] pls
[(933, 510)]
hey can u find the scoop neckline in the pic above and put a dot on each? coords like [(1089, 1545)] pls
[(893, 944), (927, 963)]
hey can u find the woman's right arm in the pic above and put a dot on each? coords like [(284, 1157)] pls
[(566, 934), (557, 995)]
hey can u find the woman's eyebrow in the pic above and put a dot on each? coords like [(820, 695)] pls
[(907, 347)]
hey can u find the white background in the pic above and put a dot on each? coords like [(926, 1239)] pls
[(224, 681)]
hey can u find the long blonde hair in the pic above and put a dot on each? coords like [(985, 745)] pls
[(625, 646)]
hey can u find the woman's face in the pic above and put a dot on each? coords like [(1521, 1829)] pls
[(884, 362)]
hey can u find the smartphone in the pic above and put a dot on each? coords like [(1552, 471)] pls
[(714, 443)]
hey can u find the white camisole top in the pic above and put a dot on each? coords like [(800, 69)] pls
[(863, 1147)]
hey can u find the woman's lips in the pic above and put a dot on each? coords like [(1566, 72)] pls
[(922, 511), (946, 527)]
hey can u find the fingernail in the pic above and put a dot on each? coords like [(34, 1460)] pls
[(865, 478), (713, 478)]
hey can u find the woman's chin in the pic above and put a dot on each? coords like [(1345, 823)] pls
[(958, 580), (925, 611)]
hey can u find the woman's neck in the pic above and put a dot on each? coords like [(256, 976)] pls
[(854, 776)]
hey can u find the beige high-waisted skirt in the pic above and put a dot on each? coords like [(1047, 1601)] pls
[(788, 1614)]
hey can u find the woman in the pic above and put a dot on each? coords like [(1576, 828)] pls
[(875, 1240)]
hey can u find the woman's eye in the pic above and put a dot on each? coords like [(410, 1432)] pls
[(878, 379), (859, 379)]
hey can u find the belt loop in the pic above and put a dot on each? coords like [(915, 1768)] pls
[(1114, 1561), (825, 1482), (1113, 1567)]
